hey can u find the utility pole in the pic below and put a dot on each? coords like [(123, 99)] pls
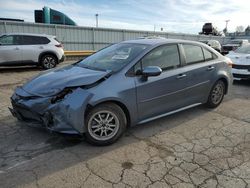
[(96, 18)]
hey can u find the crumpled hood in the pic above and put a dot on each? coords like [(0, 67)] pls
[(54, 81)]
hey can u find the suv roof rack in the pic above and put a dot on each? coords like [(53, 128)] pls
[(151, 37)]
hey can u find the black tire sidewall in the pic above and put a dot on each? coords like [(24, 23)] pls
[(43, 58), (210, 103), (121, 118)]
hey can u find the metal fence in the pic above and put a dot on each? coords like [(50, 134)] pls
[(91, 38)]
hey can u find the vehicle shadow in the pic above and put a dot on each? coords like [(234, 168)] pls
[(19, 69), (55, 152), (242, 82)]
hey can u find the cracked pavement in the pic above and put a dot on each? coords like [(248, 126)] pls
[(198, 147)]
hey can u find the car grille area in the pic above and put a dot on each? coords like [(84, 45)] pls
[(25, 114), (242, 76), (241, 67)]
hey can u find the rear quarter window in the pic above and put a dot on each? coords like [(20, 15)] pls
[(208, 55), (193, 53), (44, 40)]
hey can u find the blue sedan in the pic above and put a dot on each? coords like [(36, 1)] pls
[(128, 83)]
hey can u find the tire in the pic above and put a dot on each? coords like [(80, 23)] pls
[(105, 123), (48, 61), (216, 94)]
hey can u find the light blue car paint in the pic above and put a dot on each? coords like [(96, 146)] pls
[(142, 100)]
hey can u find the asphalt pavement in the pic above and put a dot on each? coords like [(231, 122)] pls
[(198, 147)]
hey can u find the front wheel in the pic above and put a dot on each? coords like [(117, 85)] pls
[(216, 94), (105, 123)]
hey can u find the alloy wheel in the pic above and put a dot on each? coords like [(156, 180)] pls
[(49, 62), (217, 93), (103, 125)]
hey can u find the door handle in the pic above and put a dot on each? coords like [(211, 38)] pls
[(41, 47), (210, 68), (180, 76), (16, 48)]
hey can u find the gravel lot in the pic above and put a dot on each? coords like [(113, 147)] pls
[(199, 147)]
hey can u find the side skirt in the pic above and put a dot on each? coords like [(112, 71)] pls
[(18, 63), (169, 113)]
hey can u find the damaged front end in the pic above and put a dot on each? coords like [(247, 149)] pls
[(57, 99), (63, 112)]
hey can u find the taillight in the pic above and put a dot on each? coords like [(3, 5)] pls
[(59, 45)]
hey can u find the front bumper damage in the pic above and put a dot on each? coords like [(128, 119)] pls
[(64, 116)]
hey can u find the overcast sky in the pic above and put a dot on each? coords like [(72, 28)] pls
[(186, 16)]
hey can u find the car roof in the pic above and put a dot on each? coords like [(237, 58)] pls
[(160, 41), (29, 34)]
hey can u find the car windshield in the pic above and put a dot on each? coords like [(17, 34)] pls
[(204, 41), (113, 57), (243, 50)]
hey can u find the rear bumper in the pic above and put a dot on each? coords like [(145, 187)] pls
[(62, 59)]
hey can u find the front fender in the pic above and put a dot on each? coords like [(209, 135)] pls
[(70, 111), (130, 105)]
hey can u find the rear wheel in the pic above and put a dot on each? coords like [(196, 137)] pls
[(48, 61), (105, 124), (216, 94)]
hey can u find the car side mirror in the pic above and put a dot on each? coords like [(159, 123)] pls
[(151, 71)]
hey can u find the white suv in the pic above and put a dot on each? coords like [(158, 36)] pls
[(215, 44), (30, 49)]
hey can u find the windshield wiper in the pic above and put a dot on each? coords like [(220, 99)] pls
[(89, 67)]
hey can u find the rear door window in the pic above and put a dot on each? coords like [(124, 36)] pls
[(193, 53), (35, 40)]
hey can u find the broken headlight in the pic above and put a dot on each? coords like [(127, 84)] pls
[(61, 95)]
